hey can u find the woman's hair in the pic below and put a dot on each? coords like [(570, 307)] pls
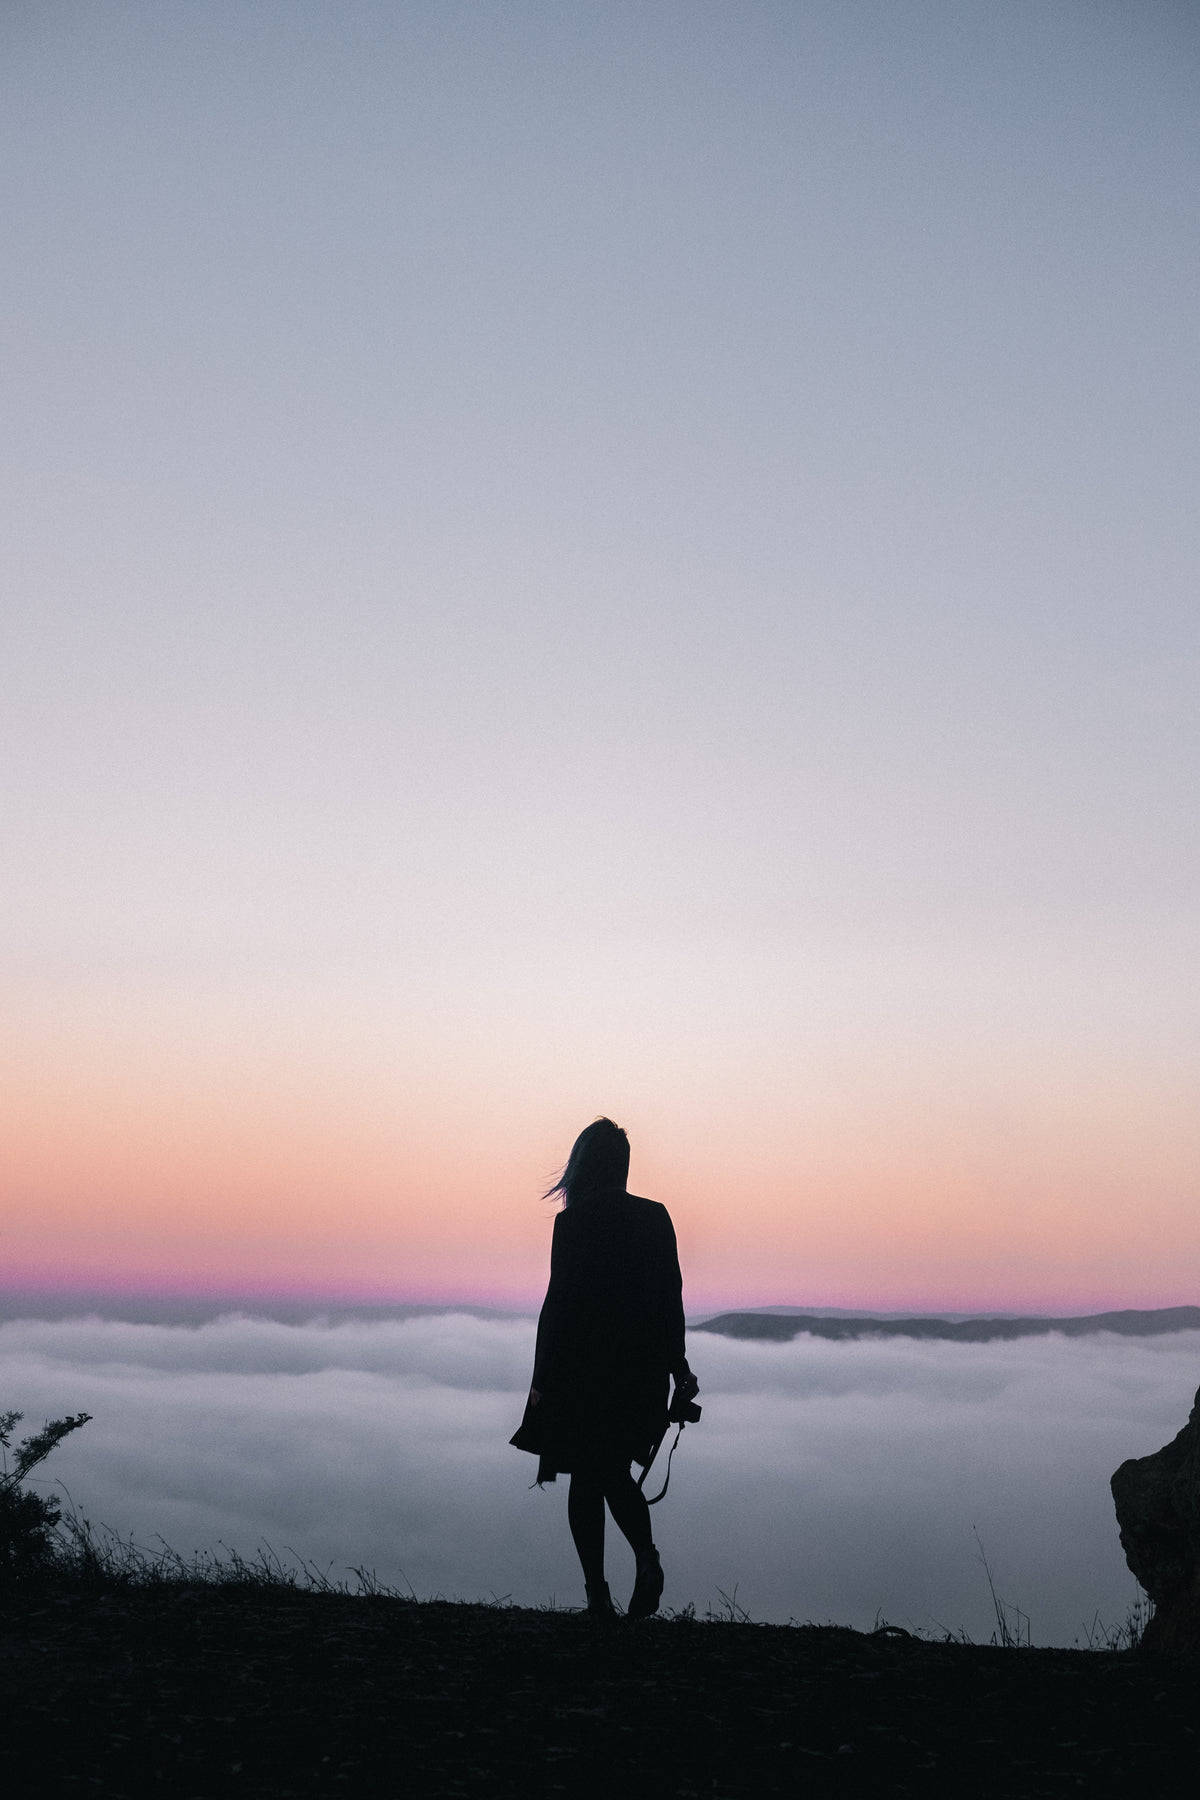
[(599, 1159)]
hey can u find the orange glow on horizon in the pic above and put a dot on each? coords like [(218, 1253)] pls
[(289, 1179)]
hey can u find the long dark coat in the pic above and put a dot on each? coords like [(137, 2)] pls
[(610, 1334)]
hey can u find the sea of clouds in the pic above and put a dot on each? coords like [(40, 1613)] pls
[(827, 1481)]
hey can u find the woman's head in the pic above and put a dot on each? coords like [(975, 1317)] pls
[(599, 1159)]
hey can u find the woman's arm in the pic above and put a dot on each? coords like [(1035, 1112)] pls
[(671, 1280), (555, 1308)]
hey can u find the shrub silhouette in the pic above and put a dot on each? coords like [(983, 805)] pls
[(27, 1520)]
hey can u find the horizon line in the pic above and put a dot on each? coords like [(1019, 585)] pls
[(356, 1299)]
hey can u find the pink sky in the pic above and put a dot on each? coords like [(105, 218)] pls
[(284, 1177)]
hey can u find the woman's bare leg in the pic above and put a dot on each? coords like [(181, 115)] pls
[(627, 1504), (585, 1515), (631, 1510)]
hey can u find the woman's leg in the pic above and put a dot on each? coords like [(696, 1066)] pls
[(631, 1510), (585, 1515), (627, 1504)]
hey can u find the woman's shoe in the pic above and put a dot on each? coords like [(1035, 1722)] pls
[(599, 1602), (647, 1589)]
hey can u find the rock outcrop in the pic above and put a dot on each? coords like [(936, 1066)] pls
[(1158, 1511)]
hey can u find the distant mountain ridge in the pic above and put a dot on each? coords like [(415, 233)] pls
[(779, 1327)]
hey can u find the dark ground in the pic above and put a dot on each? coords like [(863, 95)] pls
[(186, 1691)]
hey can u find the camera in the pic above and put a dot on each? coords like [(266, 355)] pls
[(683, 1410)]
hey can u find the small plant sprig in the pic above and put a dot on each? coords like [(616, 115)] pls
[(1012, 1625), (28, 1520)]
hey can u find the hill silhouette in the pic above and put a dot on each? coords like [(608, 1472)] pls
[(778, 1327)]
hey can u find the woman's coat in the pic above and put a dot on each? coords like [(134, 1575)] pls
[(610, 1334)]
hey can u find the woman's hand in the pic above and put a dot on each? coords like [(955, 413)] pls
[(686, 1383)]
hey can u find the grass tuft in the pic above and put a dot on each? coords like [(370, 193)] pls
[(1127, 1635)]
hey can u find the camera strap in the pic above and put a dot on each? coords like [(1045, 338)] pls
[(666, 1484)]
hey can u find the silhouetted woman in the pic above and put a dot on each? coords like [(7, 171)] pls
[(609, 1336)]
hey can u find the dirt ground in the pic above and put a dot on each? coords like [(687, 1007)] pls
[(191, 1692)]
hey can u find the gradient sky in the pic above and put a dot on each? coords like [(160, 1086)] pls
[(601, 558)]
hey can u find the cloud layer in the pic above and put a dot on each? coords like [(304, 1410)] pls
[(826, 1481)]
